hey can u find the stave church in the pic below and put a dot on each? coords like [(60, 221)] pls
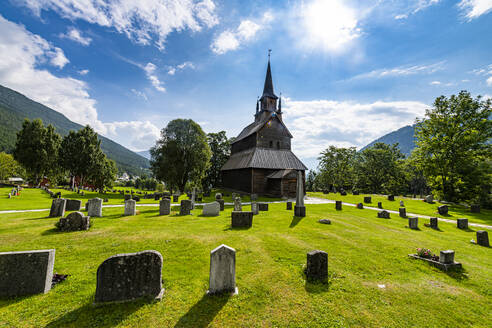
[(261, 160)]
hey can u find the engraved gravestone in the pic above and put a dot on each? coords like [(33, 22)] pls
[(462, 223), (73, 205), (130, 207), (165, 207), (367, 199), (58, 206), (299, 208), (185, 208), (434, 223), (483, 238), (74, 221), (211, 209), (254, 208), (94, 207), (222, 270), (317, 266), (237, 204), (338, 205), (241, 219), (403, 212), (413, 223)]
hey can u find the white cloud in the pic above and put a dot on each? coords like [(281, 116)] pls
[(137, 135), (75, 35), (486, 71), (246, 31), (403, 71), (172, 69), (331, 26), (435, 83), (21, 53), (150, 72), (413, 7), (475, 8), (317, 124), (141, 21), (139, 94), (83, 72), (402, 16), (489, 81)]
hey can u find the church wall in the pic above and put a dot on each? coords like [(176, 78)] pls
[(273, 136), (246, 143), (239, 180)]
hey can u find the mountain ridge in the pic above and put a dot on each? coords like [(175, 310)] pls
[(404, 136)]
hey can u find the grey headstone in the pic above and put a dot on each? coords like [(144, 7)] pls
[(317, 266), (475, 208), (380, 205), (443, 209), (289, 206), (263, 206), (254, 208), (211, 209), (434, 223), (26, 273), (483, 238), (367, 199), (94, 207), (403, 212), (462, 223), (73, 205), (218, 196), (237, 204), (126, 277), (221, 203), (383, 214), (185, 208), (58, 206), (222, 270), (130, 207), (429, 198), (446, 257), (413, 223), (338, 205), (165, 206), (360, 206), (324, 221), (355, 192), (402, 204), (299, 191), (74, 221), (391, 198), (241, 219)]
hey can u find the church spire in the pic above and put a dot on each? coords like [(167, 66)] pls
[(268, 87)]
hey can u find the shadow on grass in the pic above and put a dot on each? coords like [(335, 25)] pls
[(467, 229), (295, 221), (316, 287), (203, 312), (229, 228), (109, 315), (6, 301), (458, 275)]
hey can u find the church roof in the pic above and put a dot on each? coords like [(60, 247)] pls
[(268, 87), (264, 158), (255, 127)]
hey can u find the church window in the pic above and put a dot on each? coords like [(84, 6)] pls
[(271, 144)]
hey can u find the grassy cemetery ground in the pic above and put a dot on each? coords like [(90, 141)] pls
[(372, 281), (33, 198), (415, 206)]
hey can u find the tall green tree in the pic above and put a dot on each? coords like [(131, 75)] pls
[(181, 155), (103, 172), (336, 167), (380, 168), (220, 147), (453, 146), (9, 167), (37, 149)]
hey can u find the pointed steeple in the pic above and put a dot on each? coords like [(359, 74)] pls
[(268, 87), (280, 104)]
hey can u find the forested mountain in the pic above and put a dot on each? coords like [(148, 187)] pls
[(15, 107), (403, 136)]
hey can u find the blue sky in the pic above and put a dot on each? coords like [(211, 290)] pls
[(348, 71)]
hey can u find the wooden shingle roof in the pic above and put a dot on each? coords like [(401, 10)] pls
[(264, 158)]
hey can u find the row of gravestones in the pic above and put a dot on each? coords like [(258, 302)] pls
[(462, 223), (126, 277)]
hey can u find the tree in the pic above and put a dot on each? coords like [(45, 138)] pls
[(221, 149), (311, 181), (80, 153), (9, 167), (103, 172), (453, 147), (36, 149), (181, 155), (380, 168), (336, 167)]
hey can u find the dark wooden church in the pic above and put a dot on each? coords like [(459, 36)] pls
[(261, 159)]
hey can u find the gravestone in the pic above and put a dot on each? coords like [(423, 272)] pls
[(218, 196), (324, 221), (157, 197), (185, 208), (446, 257), (58, 206), (106, 200), (73, 205), (254, 197), (241, 219), (193, 198), (165, 207), (289, 206), (360, 206), (238, 207), (263, 206), (462, 223), (126, 277), (317, 266), (130, 207), (413, 223), (343, 193), (221, 203), (26, 273), (94, 207), (380, 205), (475, 208), (175, 198), (128, 197), (443, 209), (75, 221), (434, 223), (136, 198), (254, 208), (222, 270), (483, 238), (367, 199), (402, 204), (355, 192), (403, 212), (299, 208), (383, 214), (338, 205), (429, 199), (211, 209)]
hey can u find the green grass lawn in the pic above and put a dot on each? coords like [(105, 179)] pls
[(415, 206), (33, 198), (363, 252)]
